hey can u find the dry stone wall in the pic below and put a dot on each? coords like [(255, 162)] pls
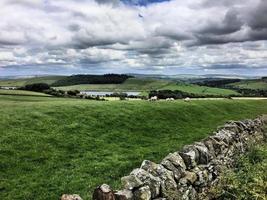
[(189, 173)]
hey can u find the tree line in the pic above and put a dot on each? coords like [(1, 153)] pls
[(92, 79)]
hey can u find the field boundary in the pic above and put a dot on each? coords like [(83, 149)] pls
[(189, 173)]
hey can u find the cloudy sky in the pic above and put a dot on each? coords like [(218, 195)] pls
[(141, 36)]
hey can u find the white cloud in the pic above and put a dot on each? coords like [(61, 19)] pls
[(110, 34)]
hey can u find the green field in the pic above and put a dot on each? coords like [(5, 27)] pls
[(251, 84), (131, 84), (137, 84), (25, 81), (50, 146), (143, 85), (196, 89), (22, 93)]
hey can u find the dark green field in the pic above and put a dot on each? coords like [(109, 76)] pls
[(143, 85), (251, 84), (50, 146), (24, 81)]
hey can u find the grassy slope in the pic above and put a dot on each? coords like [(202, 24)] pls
[(199, 89), (51, 146), (21, 92), (24, 81), (134, 84), (251, 84)]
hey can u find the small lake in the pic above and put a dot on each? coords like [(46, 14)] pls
[(102, 93)]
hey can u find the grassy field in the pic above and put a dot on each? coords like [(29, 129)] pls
[(50, 146), (251, 84), (134, 84), (25, 81), (196, 89), (21, 92)]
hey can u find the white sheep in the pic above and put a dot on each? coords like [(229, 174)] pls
[(154, 98), (187, 99), (170, 99)]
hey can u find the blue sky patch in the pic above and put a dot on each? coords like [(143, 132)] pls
[(142, 2)]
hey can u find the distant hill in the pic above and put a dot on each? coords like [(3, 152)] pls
[(254, 84), (18, 82)]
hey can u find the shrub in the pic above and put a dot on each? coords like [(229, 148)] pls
[(247, 180), (36, 87), (73, 92)]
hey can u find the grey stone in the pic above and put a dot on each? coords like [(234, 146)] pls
[(70, 197), (142, 193), (176, 171), (149, 180), (103, 192), (190, 156), (168, 184), (130, 182), (191, 177), (124, 195), (176, 160), (204, 154)]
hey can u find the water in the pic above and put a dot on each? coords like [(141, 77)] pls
[(102, 93)]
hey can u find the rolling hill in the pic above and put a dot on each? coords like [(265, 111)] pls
[(51, 146), (251, 84)]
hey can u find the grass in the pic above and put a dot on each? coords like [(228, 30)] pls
[(24, 81), (248, 180), (251, 84), (137, 84), (196, 89), (50, 146), (131, 84), (21, 92)]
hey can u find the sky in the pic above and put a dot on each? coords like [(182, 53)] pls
[(133, 36)]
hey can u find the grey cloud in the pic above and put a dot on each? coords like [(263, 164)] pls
[(230, 24), (226, 3), (258, 17), (97, 33), (108, 1)]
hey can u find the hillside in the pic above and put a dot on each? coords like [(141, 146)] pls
[(21, 93), (25, 81), (91, 79), (196, 89), (146, 84), (51, 146), (251, 84)]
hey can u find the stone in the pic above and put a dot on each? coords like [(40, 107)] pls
[(176, 160), (217, 144), (70, 197), (190, 194), (191, 177), (124, 195), (190, 156), (130, 182), (168, 184), (149, 180), (176, 171), (103, 192), (142, 193), (202, 178), (204, 154)]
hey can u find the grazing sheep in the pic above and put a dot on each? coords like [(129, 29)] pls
[(170, 99), (187, 99), (154, 98)]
